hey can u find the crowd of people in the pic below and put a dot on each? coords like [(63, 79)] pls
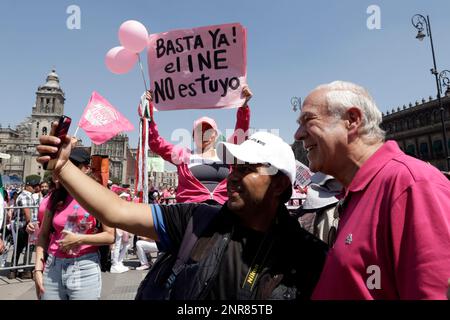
[(18, 208), (374, 222)]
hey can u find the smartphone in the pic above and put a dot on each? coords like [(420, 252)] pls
[(61, 131)]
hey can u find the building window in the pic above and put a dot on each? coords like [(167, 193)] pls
[(438, 148), (436, 116), (44, 131), (422, 120), (389, 129), (424, 152)]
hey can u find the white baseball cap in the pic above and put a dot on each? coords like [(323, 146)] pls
[(261, 147)]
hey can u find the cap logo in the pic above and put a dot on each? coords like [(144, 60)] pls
[(258, 141), (349, 239)]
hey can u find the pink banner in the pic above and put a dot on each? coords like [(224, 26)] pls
[(101, 121), (200, 68)]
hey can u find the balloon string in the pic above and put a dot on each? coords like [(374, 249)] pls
[(142, 71)]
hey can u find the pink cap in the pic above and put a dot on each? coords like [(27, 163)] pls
[(208, 120)]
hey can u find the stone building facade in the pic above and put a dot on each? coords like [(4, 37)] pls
[(20, 142), (418, 130)]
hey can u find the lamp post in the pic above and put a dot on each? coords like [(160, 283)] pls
[(421, 23), (23, 164), (444, 80), (296, 103)]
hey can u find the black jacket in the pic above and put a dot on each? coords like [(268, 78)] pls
[(297, 259)]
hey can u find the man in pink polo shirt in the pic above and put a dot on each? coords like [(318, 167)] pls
[(393, 239)]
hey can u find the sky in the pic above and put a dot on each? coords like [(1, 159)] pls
[(292, 46)]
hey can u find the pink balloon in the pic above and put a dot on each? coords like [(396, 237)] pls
[(120, 60), (133, 36)]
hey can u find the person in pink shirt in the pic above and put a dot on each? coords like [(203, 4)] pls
[(72, 269), (393, 237), (201, 174)]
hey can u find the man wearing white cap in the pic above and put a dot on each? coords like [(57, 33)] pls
[(249, 248)]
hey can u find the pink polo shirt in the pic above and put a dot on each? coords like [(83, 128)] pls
[(393, 239)]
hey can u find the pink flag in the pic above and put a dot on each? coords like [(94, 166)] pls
[(101, 121)]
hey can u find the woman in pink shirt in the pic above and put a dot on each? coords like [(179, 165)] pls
[(71, 238), (201, 174)]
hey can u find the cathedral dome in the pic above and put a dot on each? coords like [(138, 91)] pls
[(52, 80)]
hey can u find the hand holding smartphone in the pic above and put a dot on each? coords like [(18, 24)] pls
[(61, 131)]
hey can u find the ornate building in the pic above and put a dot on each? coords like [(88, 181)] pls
[(20, 143), (418, 130)]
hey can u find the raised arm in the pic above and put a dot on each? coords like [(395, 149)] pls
[(159, 145), (240, 133), (102, 203)]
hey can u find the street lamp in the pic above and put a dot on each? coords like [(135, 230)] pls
[(296, 102), (444, 80), (23, 163), (419, 21)]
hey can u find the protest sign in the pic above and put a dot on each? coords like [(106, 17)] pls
[(200, 68), (155, 164), (303, 176)]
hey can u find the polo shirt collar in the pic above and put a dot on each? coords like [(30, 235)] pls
[(373, 165)]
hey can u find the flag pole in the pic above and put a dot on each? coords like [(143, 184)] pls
[(76, 131)]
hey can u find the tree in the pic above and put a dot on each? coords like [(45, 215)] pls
[(32, 177), (47, 176), (299, 152), (115, 181)]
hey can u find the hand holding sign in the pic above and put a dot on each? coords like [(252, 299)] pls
[(246, 92)]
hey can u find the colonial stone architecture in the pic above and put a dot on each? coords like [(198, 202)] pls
[(20, 142), (160, 180), (417, 129)]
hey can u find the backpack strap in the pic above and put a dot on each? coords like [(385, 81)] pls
[(202, 217)]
